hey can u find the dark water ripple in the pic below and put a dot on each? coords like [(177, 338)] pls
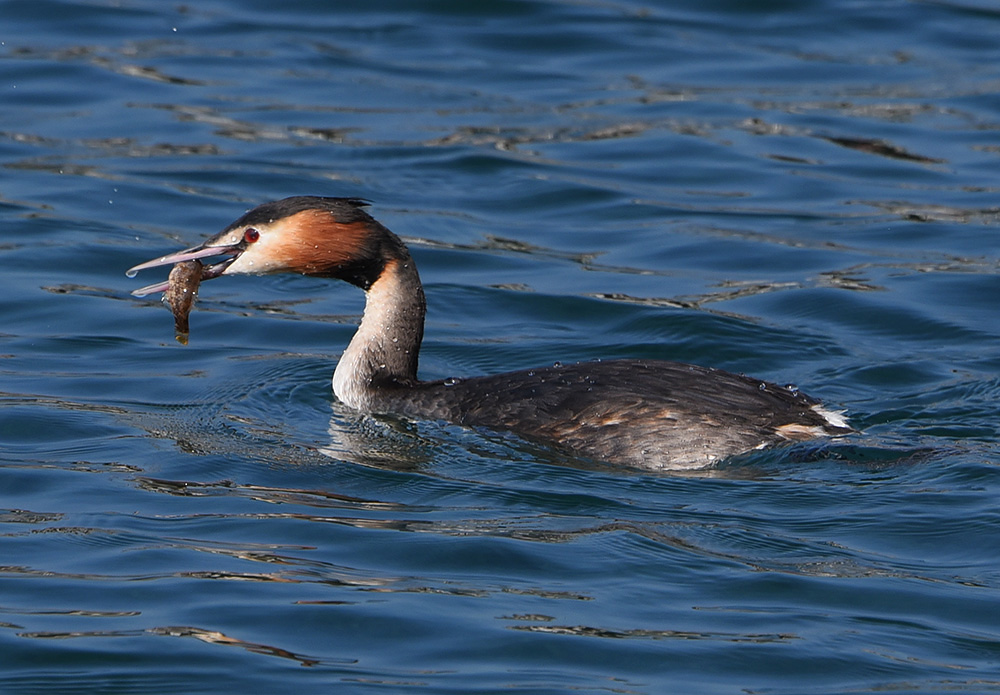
[(807, 194)]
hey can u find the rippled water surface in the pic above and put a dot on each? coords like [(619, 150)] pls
[(805, 192)]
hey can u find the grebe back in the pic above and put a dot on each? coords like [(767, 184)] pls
[(648, 414)]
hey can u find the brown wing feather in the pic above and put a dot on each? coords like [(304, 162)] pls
[(648, 414)]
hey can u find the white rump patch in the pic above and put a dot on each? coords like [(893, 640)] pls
[(797, 431), (834, 417), (800, 432)]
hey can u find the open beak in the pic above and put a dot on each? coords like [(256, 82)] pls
[(206, 250)]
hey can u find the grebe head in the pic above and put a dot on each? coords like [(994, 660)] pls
[(311, 235)]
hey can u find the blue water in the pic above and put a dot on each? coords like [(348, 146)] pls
[(805, 192)]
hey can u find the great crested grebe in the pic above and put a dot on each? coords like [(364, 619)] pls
[(646, 414)]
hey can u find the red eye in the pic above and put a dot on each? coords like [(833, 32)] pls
[(251, 235)]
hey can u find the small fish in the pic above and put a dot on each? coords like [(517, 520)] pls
[(180, 294)]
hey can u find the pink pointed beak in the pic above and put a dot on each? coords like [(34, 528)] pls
[(195, 252)]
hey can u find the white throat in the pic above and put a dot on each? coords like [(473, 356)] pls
[(386, 345)]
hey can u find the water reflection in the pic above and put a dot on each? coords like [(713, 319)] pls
[(208, 636), (881, 148), (273, 495), (607, 633)]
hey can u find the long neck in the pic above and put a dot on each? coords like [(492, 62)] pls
[(384, 351)]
